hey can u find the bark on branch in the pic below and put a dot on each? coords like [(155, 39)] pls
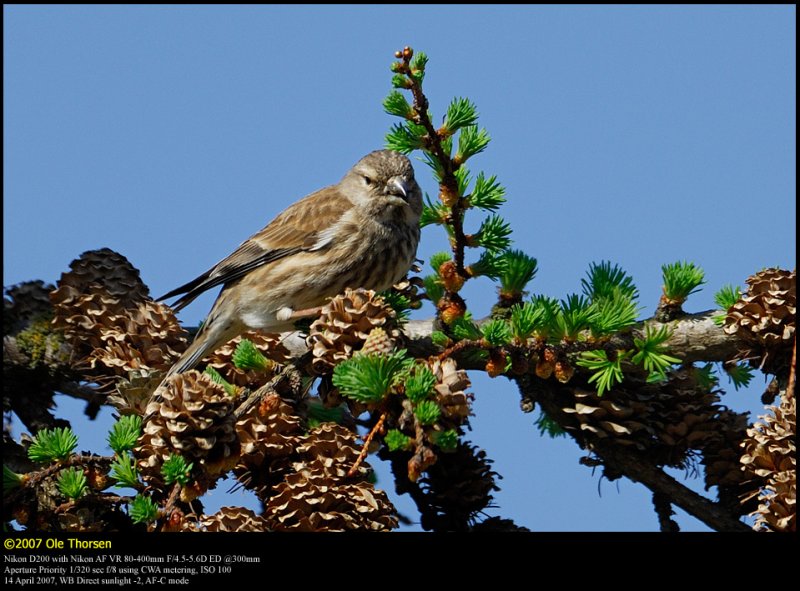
[(695, 337), (638, 469)]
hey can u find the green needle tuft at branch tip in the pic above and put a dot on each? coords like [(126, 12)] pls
[(651, 352), (125, 433), (123, 470), (176, 470), (519, 269), (50, 445), (72, 483), (143, 509), (369, 378), (681, 279), (607, 370)]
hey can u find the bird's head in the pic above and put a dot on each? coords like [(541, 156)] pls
[(385, 180)]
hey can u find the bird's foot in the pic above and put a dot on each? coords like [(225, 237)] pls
[(289, 314)]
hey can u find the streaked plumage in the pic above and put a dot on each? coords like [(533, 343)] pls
[(361, 232)]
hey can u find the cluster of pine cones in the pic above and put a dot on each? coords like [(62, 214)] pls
[(300, 468)]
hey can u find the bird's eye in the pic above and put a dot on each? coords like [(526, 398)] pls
[(367, 180)]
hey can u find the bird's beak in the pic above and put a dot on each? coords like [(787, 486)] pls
[(398, 186)]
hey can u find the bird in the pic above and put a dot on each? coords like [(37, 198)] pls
[(361, 232)]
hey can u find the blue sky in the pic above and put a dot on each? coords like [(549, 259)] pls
[(639, 135)]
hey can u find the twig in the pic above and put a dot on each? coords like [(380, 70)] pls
[(33, 479), (285, 374), (458, 347), (639, 469), (365, 448), (76, 390), (449, 183), (106, 499), (171, 500), (664, 511), (64, 507)]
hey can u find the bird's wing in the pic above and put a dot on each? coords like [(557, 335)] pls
[(300, 227)]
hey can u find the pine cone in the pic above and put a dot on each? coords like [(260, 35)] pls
[(410, 288), (306, 503), (24, 303), (685, 416), (320, 496), (450, 387), (344, 325), (232, 519), (668, 421), (192, 419), (109, 320), (269, 345), (457, 489), (377, 343), (618, 414), (80, 520), (721, 453), (145, 338), (764, 317), (84, 315), (331, 450), (263, 479), (778, 509), (108, 270), (771, 459), (268, 435), (131, 394), (267, 431)]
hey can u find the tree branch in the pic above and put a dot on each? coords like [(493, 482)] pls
[(639, 469), (663, 506), (695, 337), (632, 464)]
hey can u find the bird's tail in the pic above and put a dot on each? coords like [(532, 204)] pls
[(206, 342), (191, 357)]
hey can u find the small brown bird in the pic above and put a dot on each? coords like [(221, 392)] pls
[(361, 232)]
